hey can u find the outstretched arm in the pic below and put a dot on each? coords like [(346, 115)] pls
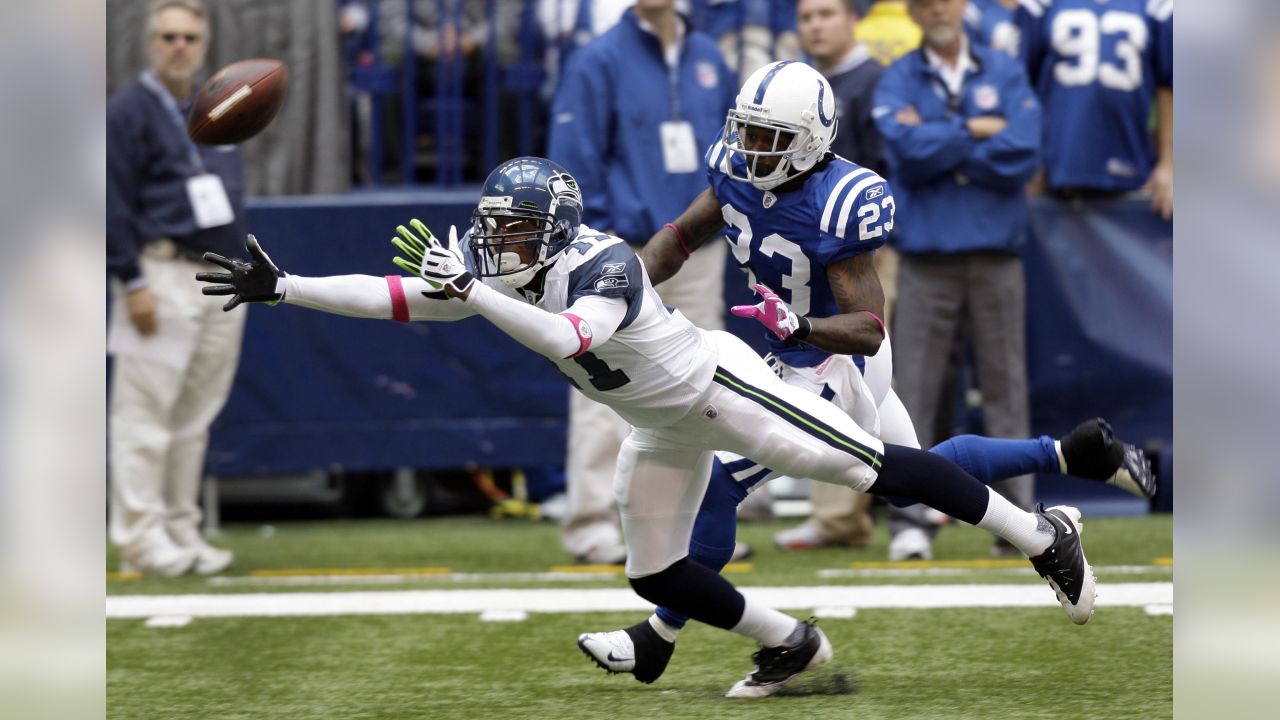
[(667, 250), (389, 298)]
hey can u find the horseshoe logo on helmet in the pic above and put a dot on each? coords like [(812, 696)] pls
[(822, 117)]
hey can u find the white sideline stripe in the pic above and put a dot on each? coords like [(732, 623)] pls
[(609, 600), (1102, 570), (168, 621)]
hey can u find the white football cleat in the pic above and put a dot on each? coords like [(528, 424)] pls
[(1063, 564), (910, 544)]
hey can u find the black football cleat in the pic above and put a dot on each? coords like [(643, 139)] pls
[(1065, 566), (1092, 451), (637, 650), (807, 648)]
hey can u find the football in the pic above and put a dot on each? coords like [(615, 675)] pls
[(238, 101)]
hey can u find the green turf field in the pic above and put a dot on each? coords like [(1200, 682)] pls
[(890, 663)]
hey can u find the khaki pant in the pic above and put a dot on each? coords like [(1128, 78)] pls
[(162, 403), (596, 432)]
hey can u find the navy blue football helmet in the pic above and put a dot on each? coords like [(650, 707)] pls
[(529, 211)]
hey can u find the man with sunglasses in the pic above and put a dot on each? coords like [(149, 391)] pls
[(168, 202)]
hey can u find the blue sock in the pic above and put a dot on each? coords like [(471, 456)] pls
[(993, 459), (714, 531)]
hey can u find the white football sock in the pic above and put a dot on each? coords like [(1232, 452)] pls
[(767, 626), (665, 631), (1016, 525)]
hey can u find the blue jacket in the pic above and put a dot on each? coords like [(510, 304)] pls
[(606, 117), (955, 193), (148, 164)]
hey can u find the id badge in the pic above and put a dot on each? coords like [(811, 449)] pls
[(679, 149), (209, 201)]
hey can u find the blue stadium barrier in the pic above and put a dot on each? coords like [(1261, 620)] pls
[(317, 391), (1100, 327)]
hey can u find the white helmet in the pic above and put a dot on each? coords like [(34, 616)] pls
[(782, 97)]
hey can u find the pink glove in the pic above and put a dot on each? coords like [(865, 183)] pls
[(772, 312)]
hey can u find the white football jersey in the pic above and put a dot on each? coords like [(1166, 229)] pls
[(657, 362)]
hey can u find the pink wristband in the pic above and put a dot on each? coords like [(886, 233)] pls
[(581, 327), (684, 246), (878, 322), (399, 306)]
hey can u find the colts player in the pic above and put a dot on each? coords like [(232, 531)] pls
[(806, 222)]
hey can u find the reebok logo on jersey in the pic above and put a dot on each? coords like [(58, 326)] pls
[(614, 268), (875, 192)]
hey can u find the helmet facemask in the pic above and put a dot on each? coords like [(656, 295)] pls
[(736, 128), (502, 237)]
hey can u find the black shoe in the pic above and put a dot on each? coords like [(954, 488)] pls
[(1092, 451), (1064, 565), (805, 649), (638, 650)]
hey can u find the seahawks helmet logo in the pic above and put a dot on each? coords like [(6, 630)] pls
[(563, 187)]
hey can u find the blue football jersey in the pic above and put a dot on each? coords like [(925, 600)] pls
[(1096, 65), (787, 240), (991, 24)]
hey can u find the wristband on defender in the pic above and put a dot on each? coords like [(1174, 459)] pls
[(684, 246), (803, 330)]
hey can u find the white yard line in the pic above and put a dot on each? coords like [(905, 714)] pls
[(610, 599)]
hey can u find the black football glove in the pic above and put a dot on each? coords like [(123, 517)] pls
[(253, 281)]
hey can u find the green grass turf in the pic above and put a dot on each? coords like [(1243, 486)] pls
[(956, 663), (970, 663), (481, 545)]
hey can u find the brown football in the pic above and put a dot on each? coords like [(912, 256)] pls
[(238, 101)]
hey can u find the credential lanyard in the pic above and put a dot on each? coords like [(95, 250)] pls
[(149, 80)]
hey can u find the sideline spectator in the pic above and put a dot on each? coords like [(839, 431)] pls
[(962, 127), (888, 31), (992, 23), (766, 28), (641, 165), (568, 25), (1097, 69), (176, 352)]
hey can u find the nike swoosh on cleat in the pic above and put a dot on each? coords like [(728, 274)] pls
[(618, 659)]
